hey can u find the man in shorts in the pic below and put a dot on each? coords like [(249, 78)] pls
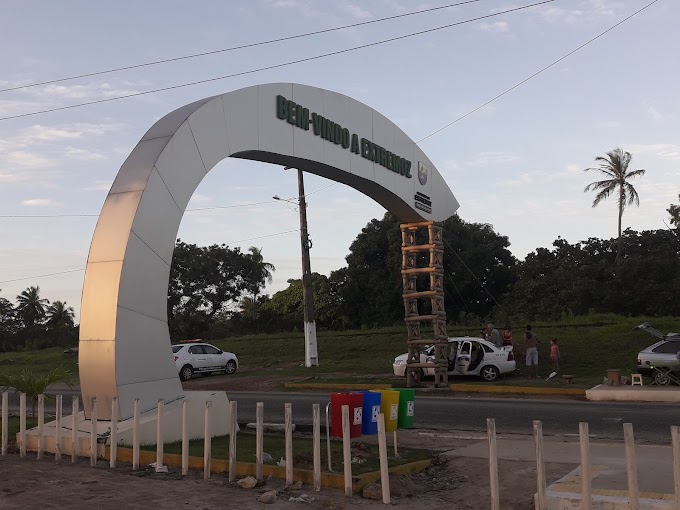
[(531, 349)]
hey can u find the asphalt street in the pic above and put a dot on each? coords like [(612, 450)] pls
[(560, 417)]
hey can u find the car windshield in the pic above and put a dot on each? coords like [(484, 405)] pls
[(176, 348)]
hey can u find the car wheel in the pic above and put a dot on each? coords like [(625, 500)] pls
[(186, 373), (230, 367), (489, 373), (661, 378)]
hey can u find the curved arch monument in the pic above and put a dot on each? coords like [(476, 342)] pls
[(124, 341)]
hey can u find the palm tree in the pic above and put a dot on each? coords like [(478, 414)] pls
[(32, 384), (30, 306), (615, 168), (59, 315), (263, 273)]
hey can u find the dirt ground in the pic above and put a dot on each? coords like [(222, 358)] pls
[(457, 484)]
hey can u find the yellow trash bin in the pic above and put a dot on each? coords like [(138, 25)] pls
[(389, 406)]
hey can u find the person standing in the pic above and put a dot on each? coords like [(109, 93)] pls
[(554, 355), (494, 336), (531, 350), (507, 335)]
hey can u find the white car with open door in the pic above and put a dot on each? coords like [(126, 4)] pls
[(197, 357), (467, 356)]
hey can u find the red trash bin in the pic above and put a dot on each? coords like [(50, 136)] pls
[(355, 401)]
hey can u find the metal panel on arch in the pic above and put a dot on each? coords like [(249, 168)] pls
[(124, 339)]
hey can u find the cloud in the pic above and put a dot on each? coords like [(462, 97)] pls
[(519, 181), (492, 158), (498, 26), (28, 160), (667, 151), (39, 202), (357, 12), (652, 111), (82, 154), (608, 124), (585, 11)]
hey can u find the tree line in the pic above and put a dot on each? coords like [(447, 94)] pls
[(217, 291)]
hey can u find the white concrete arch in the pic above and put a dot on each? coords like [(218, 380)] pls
[(123, 329)]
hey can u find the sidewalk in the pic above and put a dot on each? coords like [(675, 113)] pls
[(608, 467)]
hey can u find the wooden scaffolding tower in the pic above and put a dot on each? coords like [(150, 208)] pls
[(410, 273)]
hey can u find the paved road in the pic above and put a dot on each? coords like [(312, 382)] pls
[(651, 421)]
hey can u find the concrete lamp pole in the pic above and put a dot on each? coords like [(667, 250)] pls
[(311, 350)]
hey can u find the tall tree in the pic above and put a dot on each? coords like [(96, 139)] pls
[(30, 306), (206, 283), (60, 315), (262, 274), (615, 168), (674, 211)]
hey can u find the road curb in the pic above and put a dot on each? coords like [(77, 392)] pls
[(456, 388), (528, 390)]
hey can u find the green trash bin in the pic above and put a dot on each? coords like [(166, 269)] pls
[(407, 406)]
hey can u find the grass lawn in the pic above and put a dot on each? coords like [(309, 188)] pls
[(589, 346), (303, 457)]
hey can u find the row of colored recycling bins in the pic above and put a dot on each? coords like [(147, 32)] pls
[(398, 407)]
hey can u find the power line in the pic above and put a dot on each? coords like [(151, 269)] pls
[(235, 48), (536, 73), (82, 269), (274, 66), (8, 216), (41, 275)]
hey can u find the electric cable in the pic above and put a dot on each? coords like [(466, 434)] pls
[(536, 73), (83, 269), (273, 66), (88, 215), (234, 48)]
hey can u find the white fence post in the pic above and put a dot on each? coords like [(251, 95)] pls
[(586, 496), (346, 451), (631, 467), (540, 465), (159, 435), (57, 428), (384, 469), (259, 439), (233, 409), (93, 433), (316, 439), (675, 437), (22, 425), (5, 419), (185, 440), (135, 435), (114, 432), (41, 424), (289, 442), (74, 430), (493, 463), (207, 442)]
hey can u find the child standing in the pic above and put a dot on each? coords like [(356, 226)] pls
[(555, 355)]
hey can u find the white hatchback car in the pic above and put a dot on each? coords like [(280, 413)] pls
[(194, 356), (467, 356)]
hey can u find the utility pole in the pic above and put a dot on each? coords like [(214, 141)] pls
[(311, 351)]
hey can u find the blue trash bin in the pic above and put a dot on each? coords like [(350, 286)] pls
[(369, 424)]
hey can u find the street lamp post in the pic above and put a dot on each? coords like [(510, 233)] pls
[(311, 350)]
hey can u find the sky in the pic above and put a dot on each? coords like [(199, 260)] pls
[(516, 163)]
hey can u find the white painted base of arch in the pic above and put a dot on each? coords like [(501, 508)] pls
[(172, 425)]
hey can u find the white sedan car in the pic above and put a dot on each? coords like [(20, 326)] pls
[(192, 357), (467, 356)]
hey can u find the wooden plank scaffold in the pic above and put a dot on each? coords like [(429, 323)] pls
[(410, 271)]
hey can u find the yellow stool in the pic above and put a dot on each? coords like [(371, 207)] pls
[(636, 380)]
